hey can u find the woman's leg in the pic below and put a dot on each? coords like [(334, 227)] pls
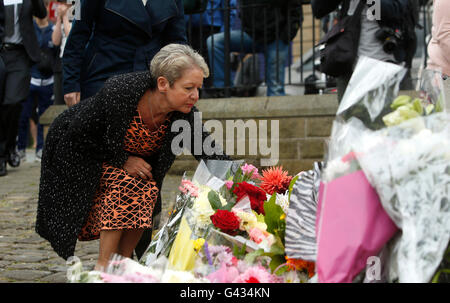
[(128, 241), (109, 243)]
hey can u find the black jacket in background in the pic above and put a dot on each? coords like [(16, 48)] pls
[(268, 20), (115, 37), (29, 9), (393, 14)]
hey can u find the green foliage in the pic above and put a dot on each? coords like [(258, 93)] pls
[(273, 218), (214, 200), (276, 225), (291, 185), (443, 272), (239, 252)]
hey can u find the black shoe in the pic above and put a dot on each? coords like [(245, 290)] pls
[(3, 171), (14, 159)]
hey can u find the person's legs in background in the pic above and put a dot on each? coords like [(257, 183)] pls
[(197, 38), (277, 54), (33, 128), (17, 86), (24, 121), (45, 99), (239, 42), (8, 132)]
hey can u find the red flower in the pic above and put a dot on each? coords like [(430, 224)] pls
[(256, 195), (252, 280), (274, 179), (226, 221)]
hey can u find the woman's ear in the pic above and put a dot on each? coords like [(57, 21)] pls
[(163, 84)]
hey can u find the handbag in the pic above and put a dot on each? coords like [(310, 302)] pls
[(47, 62), (340, 45)]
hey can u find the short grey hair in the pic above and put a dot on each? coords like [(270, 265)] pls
[(173, 59)]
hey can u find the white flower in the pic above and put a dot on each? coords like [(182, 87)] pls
[(283, 201), (202, 209), (175, 276), (335, 168)]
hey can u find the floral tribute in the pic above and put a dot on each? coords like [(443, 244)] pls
[(230, 231)]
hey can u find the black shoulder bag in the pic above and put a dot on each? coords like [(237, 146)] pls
[(341, 44), (47, 62)]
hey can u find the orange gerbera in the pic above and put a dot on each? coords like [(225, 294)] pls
[(299, 264), (275, 179)]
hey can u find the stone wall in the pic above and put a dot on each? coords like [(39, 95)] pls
[(304, 126)]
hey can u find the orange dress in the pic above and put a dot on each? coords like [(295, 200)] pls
[(123, 201)]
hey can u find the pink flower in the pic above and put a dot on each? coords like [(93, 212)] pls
[(224, 274), (249, 169), (256, 235), (229, 184), (257, 274), (187, 187), (136, 277)]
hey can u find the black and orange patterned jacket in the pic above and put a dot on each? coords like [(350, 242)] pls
[(77, 144)]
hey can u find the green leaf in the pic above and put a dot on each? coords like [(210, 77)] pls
[(291, 185), (437, 275), (273, 215), (238, 176), (400, 101), (251, 256), (276, 261), (277, 248), (214, 200), (239, 252), (228, 206)]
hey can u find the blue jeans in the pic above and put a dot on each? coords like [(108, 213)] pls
[(43, 95), (275, 59)]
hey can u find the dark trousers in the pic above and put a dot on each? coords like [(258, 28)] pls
[(42, 96), (58, 89), (16, 89), (9, 121), (197, 39)]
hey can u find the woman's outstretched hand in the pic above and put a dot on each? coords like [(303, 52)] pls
[(137, 167)]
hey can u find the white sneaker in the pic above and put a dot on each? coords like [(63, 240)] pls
[(22, 153), (39, 155)]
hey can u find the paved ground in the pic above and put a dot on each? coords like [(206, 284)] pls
[(24, 255)]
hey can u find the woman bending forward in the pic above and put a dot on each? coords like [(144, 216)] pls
[(105, 158)]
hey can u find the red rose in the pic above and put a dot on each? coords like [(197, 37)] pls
[(226, 221), (256, 195)]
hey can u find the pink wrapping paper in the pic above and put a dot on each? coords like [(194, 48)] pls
[(351, 226)]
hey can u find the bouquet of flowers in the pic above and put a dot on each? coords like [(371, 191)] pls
[(228, 225), (388, 145), (245, 216)]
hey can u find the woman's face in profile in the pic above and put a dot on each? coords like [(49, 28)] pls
[(184, 92)]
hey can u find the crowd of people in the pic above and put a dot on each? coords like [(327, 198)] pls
[(126, 72), (32, 47)]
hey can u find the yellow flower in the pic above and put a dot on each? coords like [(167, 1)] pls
[(249, 220), (198, 244), (202, 209), (283, 216)]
